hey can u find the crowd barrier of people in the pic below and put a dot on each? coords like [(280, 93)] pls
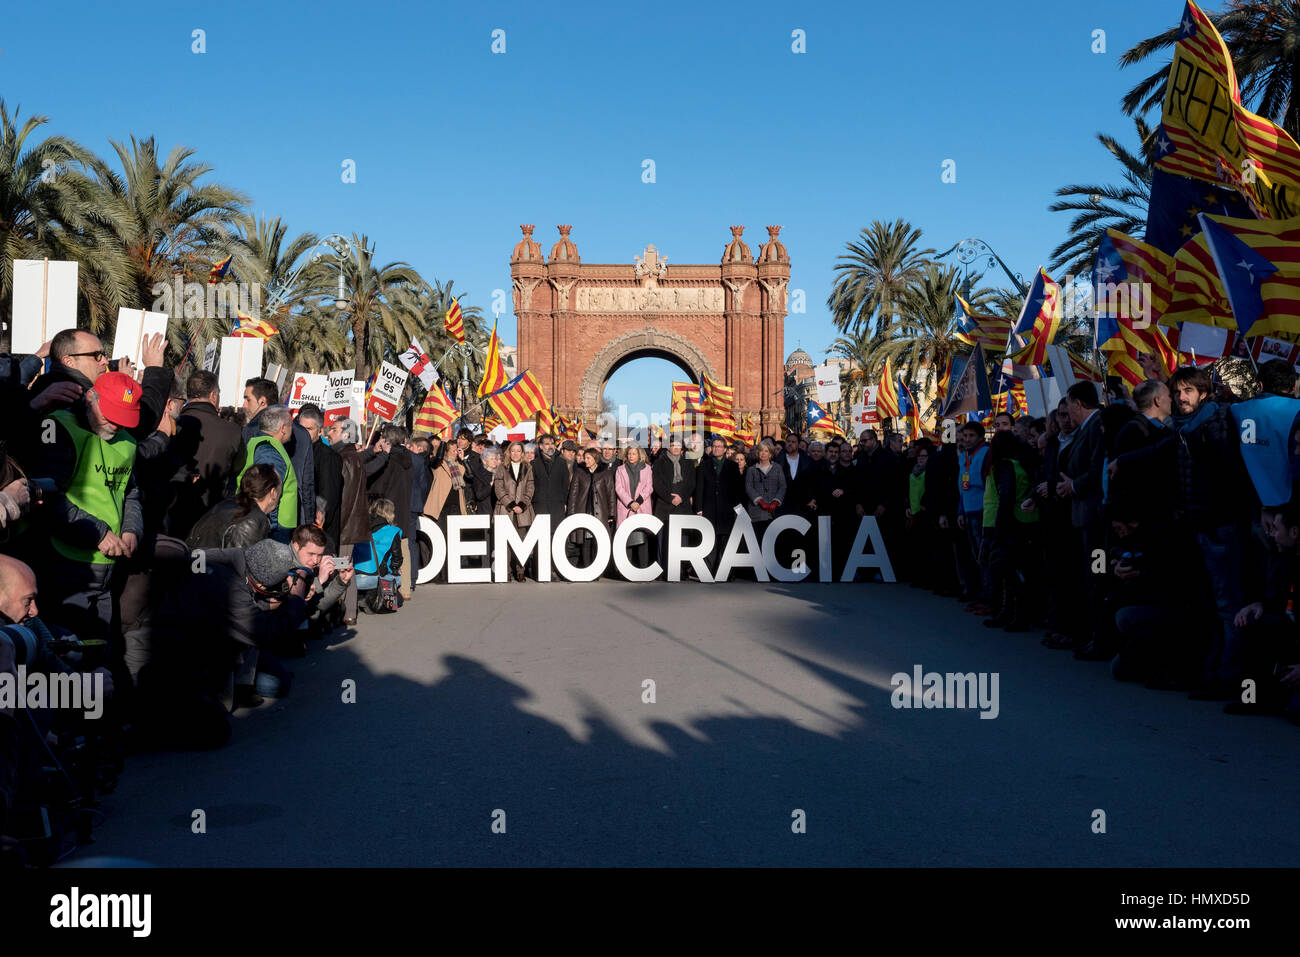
[(179, 553)]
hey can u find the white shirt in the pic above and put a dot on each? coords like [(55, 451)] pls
[(793, 462)]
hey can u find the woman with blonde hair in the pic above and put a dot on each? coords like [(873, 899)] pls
[(764, 488), (632, 492), (513, 484)]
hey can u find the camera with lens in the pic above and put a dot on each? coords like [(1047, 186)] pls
[(32, 641)]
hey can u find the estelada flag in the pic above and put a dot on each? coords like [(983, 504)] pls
[(437, 412), (1268, 292), (494, 372), (1205, 133), (521, 399), (991, 332), (819, 419), (454, 322), (249, 328), (1036, 327), (685, 401), (219, 270)]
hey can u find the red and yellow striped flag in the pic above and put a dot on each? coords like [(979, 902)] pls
[(1199, 295), (992, 332), (684, 406), (887, 394), (1046, 295), (521, 399), (454, 323), (249, 328), (437, 412), (494, 372), (1205, 133), (219, 270)]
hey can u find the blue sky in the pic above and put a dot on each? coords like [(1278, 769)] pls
[(455, 146)]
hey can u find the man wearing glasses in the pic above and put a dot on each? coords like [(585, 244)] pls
[(77, 358)]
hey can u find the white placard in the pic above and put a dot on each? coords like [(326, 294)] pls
[(241, 360), (211, 356), (337, 401), (357, 402), (523, 432), (307, 387), (827, 378), (386, 394), (276, 374), (133, 327), (45, 302)]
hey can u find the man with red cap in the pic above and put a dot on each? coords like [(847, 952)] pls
[(92, 518)]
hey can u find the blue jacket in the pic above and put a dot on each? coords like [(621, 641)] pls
[(969, 466), (385, 538)]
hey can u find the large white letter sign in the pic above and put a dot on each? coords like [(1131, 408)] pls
[(622, 561), (774, 529), (562, 564), (876, 558), (537, 536), (679, 552), (437, 550), (458, 550), (751, 557), (825, 572)]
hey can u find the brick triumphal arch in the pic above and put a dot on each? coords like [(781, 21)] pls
[(579, 322)]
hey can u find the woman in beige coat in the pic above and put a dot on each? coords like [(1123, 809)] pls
[(513, 484)]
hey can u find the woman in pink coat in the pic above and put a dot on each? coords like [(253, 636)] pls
[(632, 490)]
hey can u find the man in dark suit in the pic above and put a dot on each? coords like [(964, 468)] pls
[(719, 488), (208, 445), (673, 480), (1079, 481), (801, 479), (840, 496), (550, 480)]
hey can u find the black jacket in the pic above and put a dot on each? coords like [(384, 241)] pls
[(392, 480), (801, 487), (661, 480), (847, 479), (941, 497), (329, 486), (1084, 463), (211, 447), (220, 529), (718, 493), (550, 486)]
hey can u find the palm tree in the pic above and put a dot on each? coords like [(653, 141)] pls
[(174, 226), (1122, 207), (47, 210), (874, 274), (1263, 37), (276, 262), (921, 341), (376, 312)]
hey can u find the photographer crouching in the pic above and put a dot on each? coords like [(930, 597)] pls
[(55, 753)]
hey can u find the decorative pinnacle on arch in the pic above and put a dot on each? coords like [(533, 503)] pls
[(528, 229)]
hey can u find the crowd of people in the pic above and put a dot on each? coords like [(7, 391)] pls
[(181, 551)]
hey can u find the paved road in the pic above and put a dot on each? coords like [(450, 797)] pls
[(527, 699)]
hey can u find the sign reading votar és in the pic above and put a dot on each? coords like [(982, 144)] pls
[(337, 402), (387, 391), (741, 550)]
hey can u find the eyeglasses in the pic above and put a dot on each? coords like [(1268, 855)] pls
[(98, 355)]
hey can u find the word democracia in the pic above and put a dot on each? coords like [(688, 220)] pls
[(742, 548)]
